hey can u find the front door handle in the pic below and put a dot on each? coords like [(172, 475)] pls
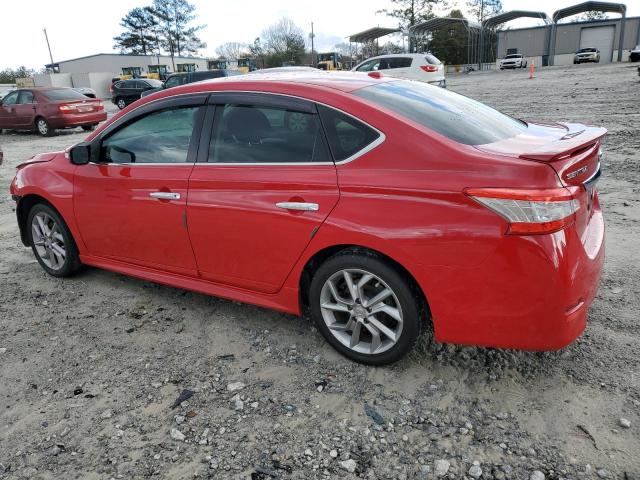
[(303, 206), (165, 195)]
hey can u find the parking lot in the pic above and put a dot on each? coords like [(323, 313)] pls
[(90, 367)]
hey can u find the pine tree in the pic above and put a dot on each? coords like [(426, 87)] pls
[(138, 36)]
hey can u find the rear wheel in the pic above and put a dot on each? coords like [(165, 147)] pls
[(364, 308), (120, 102), (88, 128), (52, 242), (43, 127)]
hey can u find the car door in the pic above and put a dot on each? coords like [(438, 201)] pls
[(8, 113), (26, 108), (130, 201), (263, 184)]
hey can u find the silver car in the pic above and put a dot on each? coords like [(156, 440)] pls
[(590, 54)]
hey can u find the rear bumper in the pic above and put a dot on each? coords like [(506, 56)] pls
[(532, 293), (77, 120)]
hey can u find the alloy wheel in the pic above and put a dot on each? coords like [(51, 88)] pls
[(121, 104), (43, 128), (361, 311), (48, 241), (298, 122)]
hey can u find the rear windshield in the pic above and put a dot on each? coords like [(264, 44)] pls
[(431, 59), (454, 116), (64, 94)]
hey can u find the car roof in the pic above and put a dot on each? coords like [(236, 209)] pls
[(342, 81), (393, 55)]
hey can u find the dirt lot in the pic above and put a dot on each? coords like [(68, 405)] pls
[(90, 366)]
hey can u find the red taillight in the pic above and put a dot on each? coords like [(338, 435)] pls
[(429, 68), (530, 211), (67, 108), (99, 106)]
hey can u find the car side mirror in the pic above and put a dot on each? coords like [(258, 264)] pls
[(80, 154)]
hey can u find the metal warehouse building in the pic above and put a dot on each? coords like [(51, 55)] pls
[(537, 42), (115, 62), (96, 71)]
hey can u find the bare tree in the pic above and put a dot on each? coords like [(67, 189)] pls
[(593, 15), (232, 50), (283, 41), (483, 9)]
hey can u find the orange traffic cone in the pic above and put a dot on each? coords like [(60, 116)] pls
[(531, 68)]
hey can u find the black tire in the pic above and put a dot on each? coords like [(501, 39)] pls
[(404, 293), (43, 127), (71, 262), (88, 128), (121, 103)]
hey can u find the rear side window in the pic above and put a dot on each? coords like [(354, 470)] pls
[(347, 136), (399, 62), (454, 116), (64, 94), (261, 134)]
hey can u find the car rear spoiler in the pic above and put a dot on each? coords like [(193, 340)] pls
[(578, 138)]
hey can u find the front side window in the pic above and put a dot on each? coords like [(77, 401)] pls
[(10, 99), (455, 116), (347, 136), (261, 134), (159, 137), (369, 66)]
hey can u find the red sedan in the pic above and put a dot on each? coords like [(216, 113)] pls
[(380, 206), (46, 109)]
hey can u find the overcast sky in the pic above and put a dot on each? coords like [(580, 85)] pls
[(78, 27)]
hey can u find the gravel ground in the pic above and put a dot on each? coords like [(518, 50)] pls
[(92, 368)]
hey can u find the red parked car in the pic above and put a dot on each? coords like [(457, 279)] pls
[(378, 205), (46, 109)]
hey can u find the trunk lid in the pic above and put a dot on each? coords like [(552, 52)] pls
[(572, 150)]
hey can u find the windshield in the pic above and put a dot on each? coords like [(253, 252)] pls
[(455, 116), (64, 94), (584, 50), (513, 56)]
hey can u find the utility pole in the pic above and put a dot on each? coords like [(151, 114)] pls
[(49, 47), (313, 52)]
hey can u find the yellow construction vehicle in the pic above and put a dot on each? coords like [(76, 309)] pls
[(330, 61), (157, 72), (131, 72), (246, 65)]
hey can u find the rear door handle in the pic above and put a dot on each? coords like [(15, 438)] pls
[(165, 195), (303, 206)]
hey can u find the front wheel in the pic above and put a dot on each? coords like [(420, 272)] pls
[(52, 242), (88, 128), (121, 103), (365, 308)]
